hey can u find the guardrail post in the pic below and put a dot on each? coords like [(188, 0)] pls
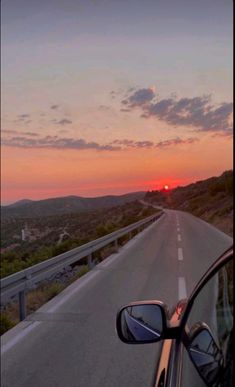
[(90, 261), (22, 305)]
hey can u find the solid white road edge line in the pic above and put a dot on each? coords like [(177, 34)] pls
[(28, 329), (182, 288)]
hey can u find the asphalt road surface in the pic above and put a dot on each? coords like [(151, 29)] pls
[(72, 342)]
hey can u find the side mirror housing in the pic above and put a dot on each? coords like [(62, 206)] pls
[(205, 353), (142, 322)]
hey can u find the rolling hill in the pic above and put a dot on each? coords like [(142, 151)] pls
[(210, 199), (64, 205)]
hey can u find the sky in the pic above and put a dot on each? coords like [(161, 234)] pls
[(107, 97)]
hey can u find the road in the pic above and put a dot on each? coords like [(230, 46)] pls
[(71, 341)]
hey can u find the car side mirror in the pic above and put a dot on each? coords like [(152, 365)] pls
[(205, 353), (142, 322)]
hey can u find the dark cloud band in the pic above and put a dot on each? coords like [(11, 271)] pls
[(54, 142)]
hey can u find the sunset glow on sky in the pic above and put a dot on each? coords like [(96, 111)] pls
[(109, 97)]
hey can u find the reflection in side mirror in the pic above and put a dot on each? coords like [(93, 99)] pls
[(141, 323), (205, 354)]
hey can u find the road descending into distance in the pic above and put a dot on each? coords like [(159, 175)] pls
[(71, 341)]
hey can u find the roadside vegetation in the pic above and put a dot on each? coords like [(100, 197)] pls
[(80, 228), (94, 225)]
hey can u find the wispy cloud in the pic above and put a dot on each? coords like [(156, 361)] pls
[(198, 113), (228, 135), (24, 116), (10, 132), (25, 140), (134, 144), (150, 144), (125, 110), (4, 131), (176, 141), (54, 142), (104, 108), (63, 121)]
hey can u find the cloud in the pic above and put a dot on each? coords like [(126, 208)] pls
[(149, 144), (23, 140), (134, 144), (9, 132), (198, 113), (104, 108), (24, 116), (139, 98), (63, 121), (54, 142), (125, 110), (176, 141), (54, 107), (194, 112), (30, 134), (228, 135), (4, 131)]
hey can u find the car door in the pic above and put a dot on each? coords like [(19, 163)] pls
[(197, 338), (207, 330)]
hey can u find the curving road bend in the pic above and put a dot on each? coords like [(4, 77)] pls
[(71, 341)]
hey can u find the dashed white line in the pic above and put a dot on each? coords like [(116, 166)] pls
[(182, 288), (179, 238), (180, 254)]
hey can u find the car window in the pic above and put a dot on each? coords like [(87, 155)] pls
[(214, 306)]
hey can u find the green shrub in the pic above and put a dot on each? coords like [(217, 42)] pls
[(101, 230)]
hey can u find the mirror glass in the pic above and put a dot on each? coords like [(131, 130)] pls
[(206, 356), (141, 323)]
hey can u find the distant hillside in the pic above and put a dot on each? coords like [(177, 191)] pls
[(210, 199), (64, 205), (48, 236)]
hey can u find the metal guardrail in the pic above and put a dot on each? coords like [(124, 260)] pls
[(26, 279)]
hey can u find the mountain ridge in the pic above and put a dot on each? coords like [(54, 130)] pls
[(66, 204)]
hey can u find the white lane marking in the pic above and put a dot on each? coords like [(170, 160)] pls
[(18, 337), (73, 291), (179, 238), (182, 288), (180, 254)]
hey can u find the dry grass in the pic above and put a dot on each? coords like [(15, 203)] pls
[(224, 224), (35, 299)]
